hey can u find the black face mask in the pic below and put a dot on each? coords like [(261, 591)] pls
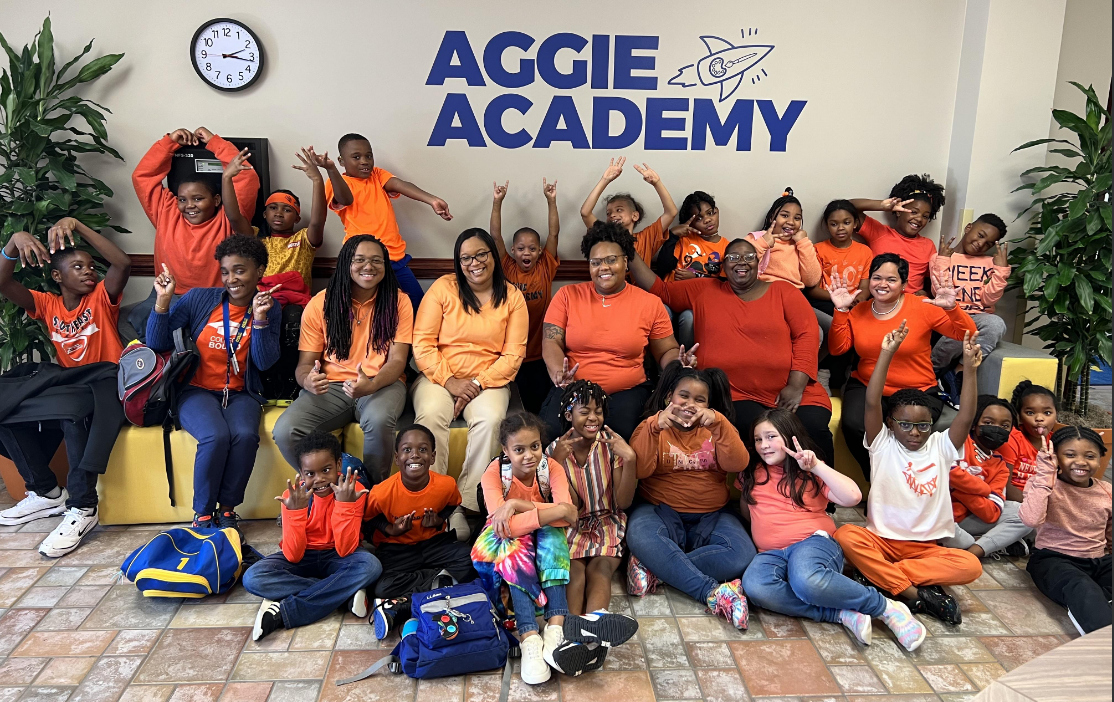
[(991, 437)]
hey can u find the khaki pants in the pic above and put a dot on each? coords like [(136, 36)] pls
[(433, 409)]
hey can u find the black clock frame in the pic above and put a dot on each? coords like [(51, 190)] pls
[(193, 44)]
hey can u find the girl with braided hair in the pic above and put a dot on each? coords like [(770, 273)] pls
[(356, 335), (601, 471), (914, 201)]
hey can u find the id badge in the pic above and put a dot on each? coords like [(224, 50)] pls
[(235, 365)]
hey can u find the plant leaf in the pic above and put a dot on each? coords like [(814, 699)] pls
[(99, 66), (1085, 292), (69, 64), (45, 50), (1038, 142), (1078, 206)]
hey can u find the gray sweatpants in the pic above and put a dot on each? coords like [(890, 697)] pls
[(991, 330), (992, 537)]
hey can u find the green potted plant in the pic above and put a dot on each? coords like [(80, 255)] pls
[(44, 128)]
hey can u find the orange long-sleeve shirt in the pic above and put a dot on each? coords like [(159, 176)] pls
[(329, 525), (450, 343), (525, 522), (983, 494), (795, 263), (911, 366), (187, 249), (687, 470)]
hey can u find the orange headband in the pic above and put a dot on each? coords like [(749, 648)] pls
[(284, 199)]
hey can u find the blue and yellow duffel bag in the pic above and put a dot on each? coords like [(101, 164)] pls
[(186, 563)]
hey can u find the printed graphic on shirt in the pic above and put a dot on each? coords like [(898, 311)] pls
[(216, 337), (964, 275), (531, 295), (74, 337), (696, 258), (679, 460), (919, 487), (1022, 472)]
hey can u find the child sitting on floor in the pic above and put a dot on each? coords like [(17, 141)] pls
[(524, 546), (978, 486), (409, 511), (601, 470), (1037, 413), (784, 249), (625, 211), (362, 198), (1069, 506), (799, 568), (530, 267), (321, 565), (909, 507)]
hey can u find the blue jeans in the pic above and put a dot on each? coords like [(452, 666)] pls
[(806, 580), (314, 586), (556, 605), (698, 572), (227, 441), (407, 282)]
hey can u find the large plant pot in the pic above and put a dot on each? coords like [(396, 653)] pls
[(14, 483)]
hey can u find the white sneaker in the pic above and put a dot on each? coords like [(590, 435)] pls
[(552, 637), (359, 603), (33, 507), (459, 524), (535, 670), (67, 536)]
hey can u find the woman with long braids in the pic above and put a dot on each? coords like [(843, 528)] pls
[(356, 335)]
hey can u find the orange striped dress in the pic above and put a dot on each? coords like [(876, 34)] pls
[(601, 525)]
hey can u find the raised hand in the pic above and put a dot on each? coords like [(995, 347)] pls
[(618, 446), (648, 174), (164, 284), (359, 387), (842, 297), (891, 341), (238, 164), (322, 160), (61, 231), (1047, 449), (309, 164), (614, 168), (768, 237), (432, 520), (895, 204), (401, 525), (549, 190), (972, 352), (566, 374), (441, 208), (946, 250), (297, 496), (685, 229), (202, 135), (183, 137), (262, 303), (946, 292), (1001, 258), (564, 445), (688, 358), (347, 489), (805, 459), (499, 191), (316, 382), (32, 253)]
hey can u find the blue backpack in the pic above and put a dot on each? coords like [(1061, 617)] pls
[(186, 563), (452, 631)]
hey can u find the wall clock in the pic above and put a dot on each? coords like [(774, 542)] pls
[(226, 54)]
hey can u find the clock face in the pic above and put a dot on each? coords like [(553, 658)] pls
[(227, 55)]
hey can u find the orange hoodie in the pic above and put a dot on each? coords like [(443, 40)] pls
[(796, 264), (983, 493), (328, 525), (187, 249)]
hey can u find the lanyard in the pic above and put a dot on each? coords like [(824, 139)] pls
[(231, 346)]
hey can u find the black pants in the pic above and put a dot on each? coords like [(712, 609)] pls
[(533, 385), (31, 445), (815, 419), (853, 420), (624, 410), (1082, 585), (410, 568), (278, 380)]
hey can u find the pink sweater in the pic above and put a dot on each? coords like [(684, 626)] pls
[(796, 264), (979, 283), (1071, 520)]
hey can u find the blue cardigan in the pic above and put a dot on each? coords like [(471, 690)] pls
[(192, 312)]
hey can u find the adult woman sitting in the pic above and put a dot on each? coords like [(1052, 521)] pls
[(469, 340), (862, 327), (599, 331), (356, 335), (236, 330), (763, 335)]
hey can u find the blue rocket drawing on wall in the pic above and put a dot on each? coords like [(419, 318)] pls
[(725, 65)]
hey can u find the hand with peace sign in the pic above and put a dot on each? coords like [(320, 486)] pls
[(806, 459), (648, 174), (347, 489), (566, 375), (895, 204), (297, 495), (946, 250), (972, 352), (688, 358), (891, 341), (618, 446), (1048, 451), (685, 229), (1001, 258)]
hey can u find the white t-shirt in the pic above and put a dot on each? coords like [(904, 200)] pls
[(910, 499)]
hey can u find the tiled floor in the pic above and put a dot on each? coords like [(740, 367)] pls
[(70, 630)]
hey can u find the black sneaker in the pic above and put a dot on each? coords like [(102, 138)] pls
[(1018, 549), (203, 521), (268, 619), (934, 601), (603, 628), (387, 613), (228, 520)]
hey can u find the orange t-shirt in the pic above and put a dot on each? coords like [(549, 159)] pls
[(1019, 453), (918, 251), (649, 240), (696, 252), (608, 337), (776, 521), (211, 347), (371, 211), (337, 371), (854, 261), (391, 499), (537, 289), (85, 334)]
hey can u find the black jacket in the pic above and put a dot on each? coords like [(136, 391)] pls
[(35, 392)]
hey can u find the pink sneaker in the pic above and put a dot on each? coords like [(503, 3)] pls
[(729, 601), (640, 581), (910, 633)]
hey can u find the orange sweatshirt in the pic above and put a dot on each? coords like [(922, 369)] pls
[(186, 249), (978, 281), (911, 366), (796, 264), (450, 343), (329, 525), (525, 522), (981, 493), (687, 470)]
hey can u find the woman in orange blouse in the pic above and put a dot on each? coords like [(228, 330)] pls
[(469, 340)]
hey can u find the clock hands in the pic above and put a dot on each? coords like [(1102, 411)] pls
[(232, 55)]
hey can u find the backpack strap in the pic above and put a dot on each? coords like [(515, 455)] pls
[(179, 340), (505, 687), (168, 459), (369, 671), (542, 476)]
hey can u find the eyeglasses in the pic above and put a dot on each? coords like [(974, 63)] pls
[(374, 260), (735, 258), (480, 256), (609, 260), (922, 427)]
